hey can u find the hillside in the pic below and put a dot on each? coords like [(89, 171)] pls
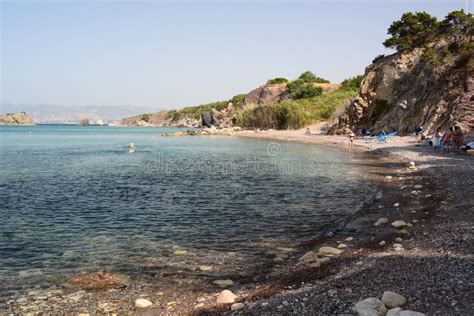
[(428, 82), (279, 103), (20, 118)]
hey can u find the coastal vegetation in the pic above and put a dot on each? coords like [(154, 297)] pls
[(297, 113), (421, 30)]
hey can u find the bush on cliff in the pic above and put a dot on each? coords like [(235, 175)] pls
[(277, 80), (310, 77)]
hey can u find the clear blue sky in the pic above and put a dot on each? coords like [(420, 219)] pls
[(165, 54)]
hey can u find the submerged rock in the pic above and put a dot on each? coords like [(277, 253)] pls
[(380, 221), (392, 299), (181, 252), (100, 280), (370, 307), (226, 297)]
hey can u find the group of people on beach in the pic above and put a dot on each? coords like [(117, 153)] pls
[(452, 140)]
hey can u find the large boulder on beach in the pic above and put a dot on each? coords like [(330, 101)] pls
[(209, 119), (392, 299), (370, 307)]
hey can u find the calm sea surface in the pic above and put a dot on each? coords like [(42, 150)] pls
[(72, 198)]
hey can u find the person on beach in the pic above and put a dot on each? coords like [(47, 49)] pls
[(436, 141), (447, 138), (351, 136), (458, 138), (420, 134)]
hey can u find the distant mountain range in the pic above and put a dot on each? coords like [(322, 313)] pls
[(56, 114)]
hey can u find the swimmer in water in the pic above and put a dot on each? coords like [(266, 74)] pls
[(131, 148)]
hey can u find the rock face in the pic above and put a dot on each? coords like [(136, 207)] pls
[(403, 91), (16, 119), (266, 94)]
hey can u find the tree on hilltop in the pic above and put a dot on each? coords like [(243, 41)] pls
[(412, 30)]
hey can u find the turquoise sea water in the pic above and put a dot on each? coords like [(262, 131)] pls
[(72, 198)]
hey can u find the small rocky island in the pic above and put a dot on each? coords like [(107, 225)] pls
[(20, 118)]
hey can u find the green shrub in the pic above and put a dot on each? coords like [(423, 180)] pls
[(238, 100), (277, 80), (310, 77), (146, 117), (352, 83)]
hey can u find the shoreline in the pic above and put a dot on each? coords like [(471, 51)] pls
[(368, 251), (283, 290)]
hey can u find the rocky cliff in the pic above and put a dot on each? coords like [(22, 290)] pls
[(406, 90), (16, 119), (274, 93)]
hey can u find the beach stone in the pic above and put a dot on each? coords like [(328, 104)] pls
[(223, 283), (22, 300), (310, 256), (380, 221), (329, 251), (399, 224), (286, 249), (396, 204), (348, 239), (370, 307), (181, 252), (205, 268), (226, 297), (237, 306), (142, 303), (392, 299), (199, 305), (342, 246), (394, 312), (418, 186), (382, 243), (411, 313), (398, 239)]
